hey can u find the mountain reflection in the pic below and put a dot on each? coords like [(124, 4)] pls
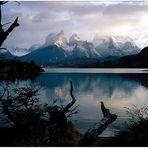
[(116, 90)]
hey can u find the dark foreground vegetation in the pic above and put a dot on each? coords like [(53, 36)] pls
[(136, 133), (14, 69), (34, 124), (30, 123)]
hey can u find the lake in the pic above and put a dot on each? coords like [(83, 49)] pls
[(117, 88)]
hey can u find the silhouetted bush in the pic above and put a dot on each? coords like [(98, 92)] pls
[(14, 69), (136, 131), (35, 124)]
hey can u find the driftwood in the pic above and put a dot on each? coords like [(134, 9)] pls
[(69, 105), (4, 33), (91, 135)]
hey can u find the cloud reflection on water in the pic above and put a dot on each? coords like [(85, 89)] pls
[(116, 90)]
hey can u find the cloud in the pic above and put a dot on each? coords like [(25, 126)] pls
[(125, 9), (39, 18)]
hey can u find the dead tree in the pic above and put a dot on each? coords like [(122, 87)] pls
[(23, 111), (4, 33), (57, 114), (91, 135), (69, 105)]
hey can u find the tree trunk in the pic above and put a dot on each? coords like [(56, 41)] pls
[(4, 33), (91, 135), (69, 105)]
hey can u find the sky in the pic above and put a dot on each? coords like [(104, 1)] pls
[(37, 19)]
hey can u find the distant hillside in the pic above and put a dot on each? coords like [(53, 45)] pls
[(139, 60), (45, 55)]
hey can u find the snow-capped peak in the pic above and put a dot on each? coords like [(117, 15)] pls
[(61, 33), (74, 39), (116, 40), (115, 46), (122, 39), (58, 39)]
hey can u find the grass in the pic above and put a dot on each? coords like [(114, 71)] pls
[(136, 133)]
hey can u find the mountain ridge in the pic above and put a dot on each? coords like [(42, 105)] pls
[(58, 48)]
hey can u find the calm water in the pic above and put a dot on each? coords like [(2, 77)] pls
[(118, 89)]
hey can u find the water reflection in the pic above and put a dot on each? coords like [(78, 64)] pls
[(116, 90)]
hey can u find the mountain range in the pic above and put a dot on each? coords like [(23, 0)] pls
[(58, 50)]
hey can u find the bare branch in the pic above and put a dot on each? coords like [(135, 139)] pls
[(3, 48), (73, 98), (13, 25), (73, 113), (0, 16), (17, 2), (4, 34), (3, 2), (3, 93), (6, 24), (105, 111)]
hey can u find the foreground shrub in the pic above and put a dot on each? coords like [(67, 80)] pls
[(136, 131), (34, 124)]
